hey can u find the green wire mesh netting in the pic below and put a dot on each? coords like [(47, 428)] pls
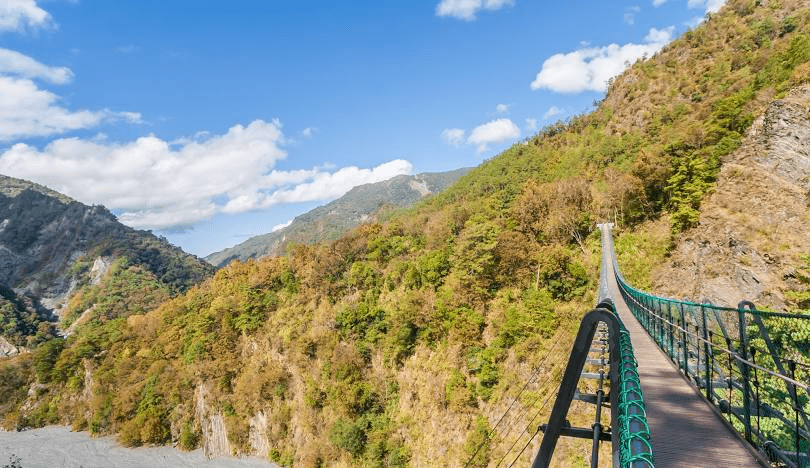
[(753, 365), (635, 450)]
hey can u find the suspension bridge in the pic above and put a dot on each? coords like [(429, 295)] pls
[(689, 384)]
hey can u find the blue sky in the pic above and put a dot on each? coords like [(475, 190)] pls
[(210, 122)]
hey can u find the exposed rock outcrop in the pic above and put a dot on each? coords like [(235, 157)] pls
[(258, 435), (7, 349), (214, 433), (754, 226)]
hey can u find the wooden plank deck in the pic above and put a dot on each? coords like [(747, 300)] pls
[(685, 430)]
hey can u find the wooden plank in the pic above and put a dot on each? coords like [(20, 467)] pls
[(685, 430)]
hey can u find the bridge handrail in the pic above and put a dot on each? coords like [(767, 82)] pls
[(665, 319), (733, 354), (630, 434)]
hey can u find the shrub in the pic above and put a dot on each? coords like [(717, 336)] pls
[(477, 447), (349, 436), (45, 357)]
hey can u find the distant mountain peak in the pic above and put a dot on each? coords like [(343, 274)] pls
[(48, 242), (329, 221), (12, 187)]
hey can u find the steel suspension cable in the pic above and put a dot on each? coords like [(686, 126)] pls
[(525, 408), (535, 372), (537, 413), (525, 447)]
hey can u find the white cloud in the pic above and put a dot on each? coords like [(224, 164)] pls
[(496, 131), (502, 108), (28, 111), (467, 9), (308, 132), (630, 14), (552, 111), (158, 184), (131, 117), (453, 136), (658, 3), (531, 125), (281, 226), (17, 64), (16, 15), (589, 69), (710, 6), (323, 185)]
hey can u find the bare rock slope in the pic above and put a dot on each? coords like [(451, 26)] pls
[(753, 229)]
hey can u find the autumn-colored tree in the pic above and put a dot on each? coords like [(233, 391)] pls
[(558, 211)]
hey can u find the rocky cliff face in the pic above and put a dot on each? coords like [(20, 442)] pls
[(753, 228), (40, 236)]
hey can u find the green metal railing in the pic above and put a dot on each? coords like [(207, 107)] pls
[(753, 365), (630, 432), (634, 431)]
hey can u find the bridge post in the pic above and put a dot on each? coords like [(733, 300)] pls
[(706, 351), (659, 330), (671, 331), (745, 371), (684, 349)]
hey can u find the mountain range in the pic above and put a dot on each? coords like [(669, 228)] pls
[(48, 245), (330, 221), (402, 341)]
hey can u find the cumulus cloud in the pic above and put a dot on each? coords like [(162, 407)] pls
[(17, 64), (28, 111), (502, 108), (320, 184), (467, 9), (496, 131), (710, 6), (157, 184), (552, 111), (590, 68), (658, 3), (453, 136), (17, 15)]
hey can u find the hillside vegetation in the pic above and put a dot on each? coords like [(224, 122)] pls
[(404, 341)]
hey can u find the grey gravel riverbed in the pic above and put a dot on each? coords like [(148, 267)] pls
[(58, 446)]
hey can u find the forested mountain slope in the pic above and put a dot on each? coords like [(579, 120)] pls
[(404, 341), (48, 246), (330, 221)]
